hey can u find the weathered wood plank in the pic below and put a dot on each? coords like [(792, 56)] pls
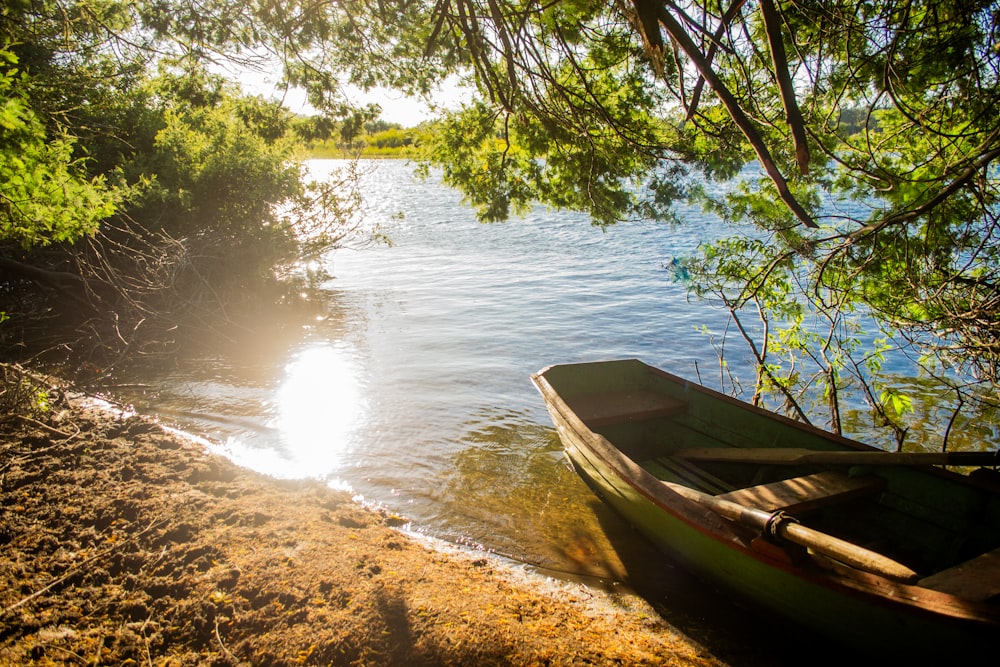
[(807, 493), (976, 579), (685, 471), (623, 406)]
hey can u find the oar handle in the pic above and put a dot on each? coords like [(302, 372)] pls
[(780, 526), (843, 551)]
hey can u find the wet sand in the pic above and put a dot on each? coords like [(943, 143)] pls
[(122, 542)]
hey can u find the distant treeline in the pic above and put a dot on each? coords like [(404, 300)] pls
[(378, 139)]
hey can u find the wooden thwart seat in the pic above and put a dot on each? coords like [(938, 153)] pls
[(976, 579), (623, 406), (803, 494)]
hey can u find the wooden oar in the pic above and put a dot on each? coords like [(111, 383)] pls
[(782, 527), (799, 456)]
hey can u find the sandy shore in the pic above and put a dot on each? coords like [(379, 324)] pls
[(123, 543)]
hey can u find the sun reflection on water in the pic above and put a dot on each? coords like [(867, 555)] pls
[(317, 411), (319, 408)]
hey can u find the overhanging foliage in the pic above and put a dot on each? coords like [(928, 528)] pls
[(865, 136)]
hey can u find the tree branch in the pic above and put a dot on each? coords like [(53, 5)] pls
[(942, 196), (793, 116), (55, 279), (677, 33), (713, 46)]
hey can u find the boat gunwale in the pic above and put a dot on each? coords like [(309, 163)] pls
[(840, 578)]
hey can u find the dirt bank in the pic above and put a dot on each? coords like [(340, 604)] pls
[(121, 543)]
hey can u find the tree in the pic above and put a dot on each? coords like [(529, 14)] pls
[(853, 145), (46, 195), (138, 188), (860, 140)]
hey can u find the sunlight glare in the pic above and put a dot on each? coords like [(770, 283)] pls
[(320, 406)]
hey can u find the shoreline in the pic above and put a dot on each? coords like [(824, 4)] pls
[(126, 543)]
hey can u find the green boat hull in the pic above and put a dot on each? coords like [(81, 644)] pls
[(857, 608)]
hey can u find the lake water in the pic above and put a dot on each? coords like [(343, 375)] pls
[(408, 382), (407, 378)]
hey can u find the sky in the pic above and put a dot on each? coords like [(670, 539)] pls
[(396, 107), (407, 111)]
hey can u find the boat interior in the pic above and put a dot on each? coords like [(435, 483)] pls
[(943, 526)]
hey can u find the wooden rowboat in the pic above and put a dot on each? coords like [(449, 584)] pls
[(883, 551)]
